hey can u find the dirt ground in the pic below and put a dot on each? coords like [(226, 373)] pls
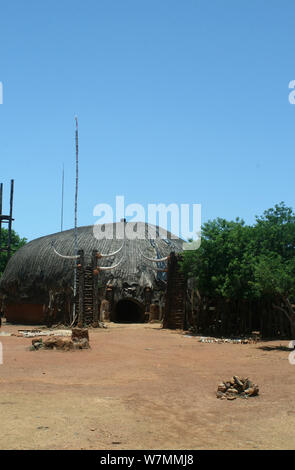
[(142, 387)]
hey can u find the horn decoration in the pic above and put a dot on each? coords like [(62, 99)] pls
[(108, 268), (64, 256), (155, 260), (101, 255)]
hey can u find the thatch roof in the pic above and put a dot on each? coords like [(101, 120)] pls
[(35, 267)]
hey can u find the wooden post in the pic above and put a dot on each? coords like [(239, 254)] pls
[(109, 295), (147, 298), (1, 195), (81, 288), (95, 289), (10, 220), (174, 316)]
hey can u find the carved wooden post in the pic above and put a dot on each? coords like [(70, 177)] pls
[(147, 298), (105, 311), (81, 288), (95, 288), (174, 316), (109, 295)]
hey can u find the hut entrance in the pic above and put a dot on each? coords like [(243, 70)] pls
[(129, 311)]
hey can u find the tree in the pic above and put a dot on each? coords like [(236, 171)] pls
[(220, 265), (274, 270), (238, 262), (16, 243)]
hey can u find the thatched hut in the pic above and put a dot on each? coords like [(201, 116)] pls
[(37, 282)]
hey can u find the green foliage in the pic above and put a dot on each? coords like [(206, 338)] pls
[(16, 243), (237, 261), (274, 276)]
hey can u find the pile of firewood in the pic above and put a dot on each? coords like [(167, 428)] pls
[(79, 340), (237, 387)]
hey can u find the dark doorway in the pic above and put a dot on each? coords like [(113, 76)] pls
[(129, 311)]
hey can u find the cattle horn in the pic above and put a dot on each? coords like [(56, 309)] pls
[(101, 255), (108, 268), (65, 256), (155, 260)]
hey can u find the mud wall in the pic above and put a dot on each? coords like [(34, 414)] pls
[(24, 313)]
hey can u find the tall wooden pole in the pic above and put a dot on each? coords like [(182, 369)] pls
[(1, 195), (76, 190), (10, 220), (62, 199), (76, 206)]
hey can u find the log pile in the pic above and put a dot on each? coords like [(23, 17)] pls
[(78, 340), (237, 387)]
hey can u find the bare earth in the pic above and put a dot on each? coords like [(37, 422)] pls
[(142, 387)]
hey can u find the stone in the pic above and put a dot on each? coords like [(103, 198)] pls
[(78, 333), (222, 388), (238, 381), (82, 344), (237, 387), (58, 342), (36, 340), (252, 391), (247, 384), (37, 343)]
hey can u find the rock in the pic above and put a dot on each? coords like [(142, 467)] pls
[(247, 384), (36, 340), (237, 387), (252, 391), (222, 388), (83, 343), (238, 381), (37, 343), (58, 342), (79, 333)]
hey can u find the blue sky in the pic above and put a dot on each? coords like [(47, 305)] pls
[(178, 102)]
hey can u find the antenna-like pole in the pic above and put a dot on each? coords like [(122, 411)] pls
[(10, 220), (76, 191), (1, 194), (76, 205), (62, 198)]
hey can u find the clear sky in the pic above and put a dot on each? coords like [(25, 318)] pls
[(179, 101)]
